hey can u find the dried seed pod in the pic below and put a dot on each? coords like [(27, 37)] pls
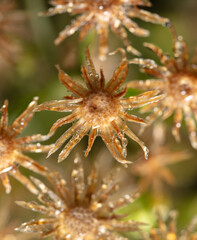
[(81, 211), (98, 109), (176, 79), (101, 15), (12, 147)]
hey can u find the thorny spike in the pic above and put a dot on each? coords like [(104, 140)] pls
[(122, 51), (118, 78), (165, 59), (64, 137), (134, 28), (113, 149), (27, 162), (24, 180), (173, 32), (147, 84), (76, 138), (91, 139), (34, 207), (4, 117), (92, 182), (131, 104), (149, 17), (60, 106), (102, 79), (87, 78), (19, 124), (32, 139), (62, 121), (148, 63), (108, 186), (177, 124), (6, 182), (125, 200), (132, 118), (34, 226), (191, 126), (73, 86), (51, 196), (78, 180), (91, 69), (128, 132)]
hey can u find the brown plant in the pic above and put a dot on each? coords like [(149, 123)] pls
[(82, 211), (176, 79), (102, 15), (98, 108), (12, 148)]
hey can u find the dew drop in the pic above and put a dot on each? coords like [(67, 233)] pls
[(178, 125), (102, 229), (146, 152)]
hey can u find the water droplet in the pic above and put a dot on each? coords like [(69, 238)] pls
[(188, 98), (102, 229), (178, 125), (146, 152)]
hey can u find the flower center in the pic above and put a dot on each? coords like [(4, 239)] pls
[(78, 222), (182, 87), (100, 109)]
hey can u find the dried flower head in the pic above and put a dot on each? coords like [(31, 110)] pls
[(11, 148), (168, 231), (177, 80), (100, 15), (98, 108), (80, 211), (11, 24), (152, 173)]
